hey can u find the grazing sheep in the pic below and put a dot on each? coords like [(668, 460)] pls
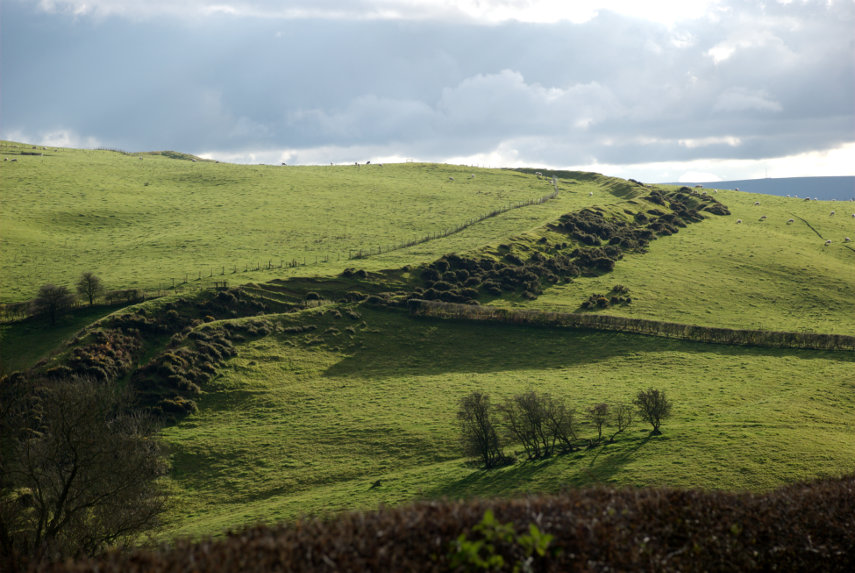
[(828, 242), (451, 179), (832, 213), (738, 221), (763, 218), (790, 221), (591, 194), (846, 239), (472, 176), (853, 215), (807, 198), (756, 203), (788, 195)]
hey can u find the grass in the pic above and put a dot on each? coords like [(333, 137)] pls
[(309, 423), (306, 424), (146, 223), (25, 342), (756, 274)]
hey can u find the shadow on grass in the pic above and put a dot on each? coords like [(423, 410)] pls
[(575, 469), (24, 342), (398, 345)]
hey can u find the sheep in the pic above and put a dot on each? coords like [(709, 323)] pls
[(846, 239), (828, 242), (471, 176), (539, 174), (756, 203), (763, 218), (451, 179), (591, 194), (807, 198), (832, 213), (738, 221), (790, 221), (853, 215)]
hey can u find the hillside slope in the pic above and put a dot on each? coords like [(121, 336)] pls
[(312, 390)]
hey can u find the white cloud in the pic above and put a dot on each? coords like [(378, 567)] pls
[(58, 137), (667, 12)]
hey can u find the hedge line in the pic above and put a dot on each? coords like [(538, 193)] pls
[(715, 335), (803, 527)]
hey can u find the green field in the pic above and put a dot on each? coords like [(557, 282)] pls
[(157, 221), (309, 422)]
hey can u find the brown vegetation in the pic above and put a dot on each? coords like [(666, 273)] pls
[(806, 527)]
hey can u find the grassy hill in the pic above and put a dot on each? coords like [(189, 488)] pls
[(320, 400)]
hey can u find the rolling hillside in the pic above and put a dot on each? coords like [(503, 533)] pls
[(308, 388)]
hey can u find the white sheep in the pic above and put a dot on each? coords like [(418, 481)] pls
[(790, 221), (738, 221), (846, 239), (756, 203), (828, 242), (591, 194), (763, 218), (832, 213)]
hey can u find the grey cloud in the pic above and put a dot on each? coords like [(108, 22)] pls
[(759, 81)]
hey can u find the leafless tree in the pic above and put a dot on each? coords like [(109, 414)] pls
[(540, 423), (479, 435), (622, 418), (89, 286), (83, 471), (598, 415)]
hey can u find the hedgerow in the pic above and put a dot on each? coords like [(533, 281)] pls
[(802, 527)]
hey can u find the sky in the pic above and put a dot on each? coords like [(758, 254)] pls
[(660, 90)]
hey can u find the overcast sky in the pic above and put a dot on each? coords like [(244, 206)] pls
[(655, 90)]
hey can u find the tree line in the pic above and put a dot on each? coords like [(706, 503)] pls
[(544, 425)]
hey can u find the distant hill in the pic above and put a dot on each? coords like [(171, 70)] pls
[(823, 188)]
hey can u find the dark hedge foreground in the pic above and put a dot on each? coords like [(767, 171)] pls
[(806, 527)]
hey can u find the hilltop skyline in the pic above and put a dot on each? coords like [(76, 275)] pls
[(700, 91)]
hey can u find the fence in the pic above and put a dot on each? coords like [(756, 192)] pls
[(802, 340), (361, 254)]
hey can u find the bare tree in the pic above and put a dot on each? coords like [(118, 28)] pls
[(89, 286), (52, 299), (622, 418), (479, 435), (653, 407), (598, 415), (561, 423), (83, 472), (539, 422)]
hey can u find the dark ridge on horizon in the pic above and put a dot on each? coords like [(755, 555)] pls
[(836, 188)]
